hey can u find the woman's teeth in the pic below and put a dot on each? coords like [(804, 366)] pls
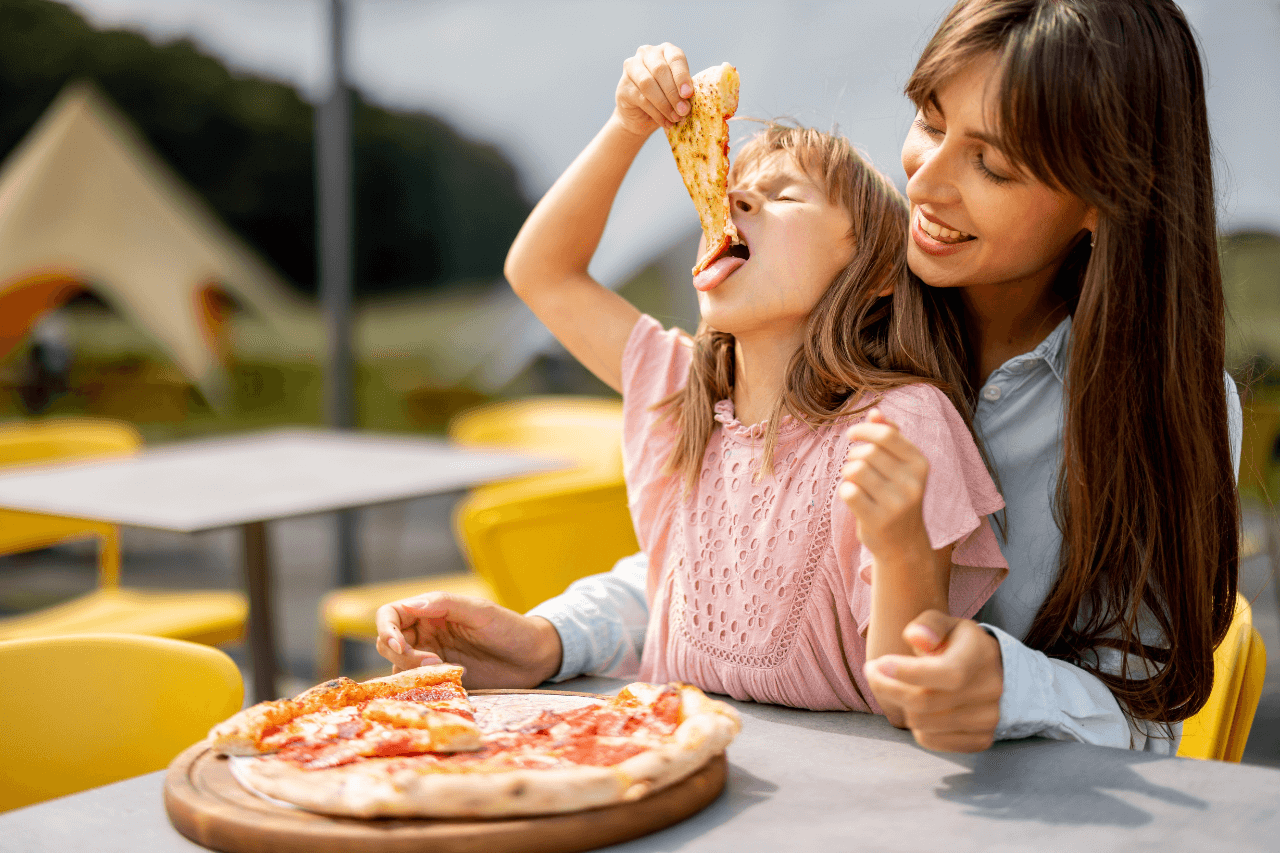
[(937, 232)]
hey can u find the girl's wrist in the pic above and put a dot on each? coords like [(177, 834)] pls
[(911, 554), (618, 123)]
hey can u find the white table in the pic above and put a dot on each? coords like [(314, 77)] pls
[(251, 479), (816, 781)]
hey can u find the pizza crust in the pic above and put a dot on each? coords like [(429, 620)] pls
[(401, 788)]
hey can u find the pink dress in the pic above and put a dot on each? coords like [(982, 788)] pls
[(759, 588)]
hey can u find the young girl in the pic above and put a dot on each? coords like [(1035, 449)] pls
[(764, 583)]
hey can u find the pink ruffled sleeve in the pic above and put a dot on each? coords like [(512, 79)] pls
[(959, 497), (655, 364)]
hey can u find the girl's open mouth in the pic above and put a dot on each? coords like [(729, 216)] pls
[(734, 256)]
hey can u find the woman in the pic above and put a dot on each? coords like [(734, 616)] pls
[(1063, 215)]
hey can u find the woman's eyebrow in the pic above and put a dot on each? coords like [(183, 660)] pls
[(983, 136)]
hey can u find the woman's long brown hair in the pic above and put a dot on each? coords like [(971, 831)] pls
[(858, 343), (1105, 99)]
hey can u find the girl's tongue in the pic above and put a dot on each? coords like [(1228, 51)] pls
[(716, 272)]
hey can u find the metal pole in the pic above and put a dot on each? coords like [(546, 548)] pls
[(334, 233), (262, 636)]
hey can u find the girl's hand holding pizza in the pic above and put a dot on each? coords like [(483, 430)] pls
[(654, 90), (497, 646), (882, 483)]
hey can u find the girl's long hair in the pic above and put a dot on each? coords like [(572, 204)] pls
[(1105, 99), (858, 342)]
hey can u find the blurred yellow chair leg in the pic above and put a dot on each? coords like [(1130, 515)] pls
[(349, 612), (1219, 730), (91, 709)]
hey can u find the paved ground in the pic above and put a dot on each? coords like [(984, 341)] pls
[(410, 539)]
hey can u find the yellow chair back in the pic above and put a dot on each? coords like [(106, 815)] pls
[(587, 430), (1219, 730), (530, 538), (64, 440), (87, 710)]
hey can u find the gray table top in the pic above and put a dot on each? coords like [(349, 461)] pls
[(207, 484), (805, 780)]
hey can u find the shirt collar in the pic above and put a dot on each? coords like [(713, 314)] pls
[(1053, 351)]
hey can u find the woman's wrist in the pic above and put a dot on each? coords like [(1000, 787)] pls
[(548, 651)]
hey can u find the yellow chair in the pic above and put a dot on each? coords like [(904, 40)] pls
[(529, 537), (91, 709), (529, 540), (1221, 727), (586, 430), (212, 616)]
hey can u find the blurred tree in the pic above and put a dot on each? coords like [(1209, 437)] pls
[(430, 206)]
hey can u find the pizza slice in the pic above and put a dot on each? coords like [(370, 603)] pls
[(416, 711), (700, 143)]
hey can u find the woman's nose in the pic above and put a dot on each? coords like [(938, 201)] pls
[(928, 176)]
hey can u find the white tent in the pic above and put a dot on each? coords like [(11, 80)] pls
[(86, 204)]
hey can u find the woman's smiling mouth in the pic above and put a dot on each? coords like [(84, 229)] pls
[(935, 238)]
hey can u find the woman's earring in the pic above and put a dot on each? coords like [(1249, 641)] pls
[(1093, 238)]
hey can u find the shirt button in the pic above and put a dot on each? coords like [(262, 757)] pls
[(991, 392)]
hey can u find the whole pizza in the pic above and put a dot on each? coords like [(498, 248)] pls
[(414, 744)]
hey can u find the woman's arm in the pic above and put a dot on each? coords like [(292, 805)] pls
[(601, 621), (980, 684), (547, 263)]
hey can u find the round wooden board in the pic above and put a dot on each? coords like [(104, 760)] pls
[(207, 805)]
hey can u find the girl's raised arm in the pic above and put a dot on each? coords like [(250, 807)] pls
[(547, 264)]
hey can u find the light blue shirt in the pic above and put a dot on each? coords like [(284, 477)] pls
[(601, 619)]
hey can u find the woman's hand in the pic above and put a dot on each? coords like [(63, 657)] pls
[(498, 647), (654, 89), (883, 481), (949, 693)]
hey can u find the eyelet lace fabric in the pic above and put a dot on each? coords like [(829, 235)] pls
[(752, 543), (758, 586)]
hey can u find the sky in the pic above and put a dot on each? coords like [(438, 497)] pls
[(537, 79)]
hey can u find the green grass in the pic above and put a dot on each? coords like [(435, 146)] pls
[(390, 397)]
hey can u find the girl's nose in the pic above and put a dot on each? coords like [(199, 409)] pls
[(743, 201)]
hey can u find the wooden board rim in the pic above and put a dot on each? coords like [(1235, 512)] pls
[(206, 805)]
